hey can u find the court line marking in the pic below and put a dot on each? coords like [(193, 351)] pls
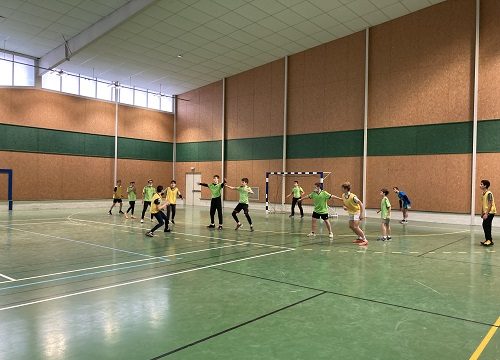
[(482, 345), (7, 277), (183, 233), (138, 281), (428, 287), (61, 218), (86, 243), (43, 222), (115, 264)]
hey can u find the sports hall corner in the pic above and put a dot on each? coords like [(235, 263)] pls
[(171, 179)]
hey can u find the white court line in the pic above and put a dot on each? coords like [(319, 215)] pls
[(195, 235), (428, 287), (44, 222), (7, 277), (62, 218), (138, 281), (85, 243)]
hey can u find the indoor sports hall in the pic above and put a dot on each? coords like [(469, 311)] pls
[(261, 179)]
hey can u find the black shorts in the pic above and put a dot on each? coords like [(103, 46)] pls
[(240, 207), (117, 201), (315, 215)]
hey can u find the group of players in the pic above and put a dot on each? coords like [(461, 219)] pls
[(351, 203)]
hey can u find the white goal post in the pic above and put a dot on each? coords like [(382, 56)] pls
[(321, 174)]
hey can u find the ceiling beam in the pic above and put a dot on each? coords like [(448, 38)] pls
[(70, 47)]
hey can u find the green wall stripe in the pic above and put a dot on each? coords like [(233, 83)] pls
[(47, 141), (199, 151), (325, 145), (264, 148), (488, 136)]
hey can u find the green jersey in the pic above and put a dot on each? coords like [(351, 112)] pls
[(243, 190), (148, 192), (297, 192), (132, 196), (320, 201), (215, 190), (385, 208)]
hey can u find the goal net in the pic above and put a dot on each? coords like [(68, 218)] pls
[(279, 184)]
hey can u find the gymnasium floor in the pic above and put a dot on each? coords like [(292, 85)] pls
[(90, 286)]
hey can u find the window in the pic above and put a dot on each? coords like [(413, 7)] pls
[(153, 101), (24, 71), (140, 98), (6, 69), (104, 90), (87, 87), (127, 95), (70, 84), (51, 80), (166, 103)]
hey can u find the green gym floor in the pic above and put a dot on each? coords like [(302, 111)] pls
[(85, 285)]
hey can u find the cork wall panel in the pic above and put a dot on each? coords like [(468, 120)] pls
[(438, 183), (254, 102), (199, 114), (61, 177), (140, 123), (421, 66), (326, 87), (488, 168), (45, 109), (489, 61)]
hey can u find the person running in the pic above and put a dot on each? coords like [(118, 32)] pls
[(117, 197), (404, 204), (488, 211), (385, 210), (157, 211), (297, 193), (320, 200), (356, 209), (216, 202), (132, 197), (243, 190), (147, 194), (172, 194)]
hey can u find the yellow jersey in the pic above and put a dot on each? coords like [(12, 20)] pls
[(351, 204), (154, 207), (172, 195), (118, 193), (485, 204)]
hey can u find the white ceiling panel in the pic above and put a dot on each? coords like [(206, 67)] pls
[(216, 38)]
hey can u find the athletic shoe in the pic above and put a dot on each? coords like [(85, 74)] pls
[(172, 221), (363, 242), (251, 227), (290, 216), (311, 234), (403, 222), (389, 238), (149, 233), (301, 216), (132, 217), (220, 227), (142, 221), (166, 230), (109, 213), (358, 241), (330, 235), (381, 238), (487, 243), (151, 220), (121, 212), (238, 226), (211, 226), (126, 216)]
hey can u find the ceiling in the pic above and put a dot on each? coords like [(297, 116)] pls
[(215, 38)]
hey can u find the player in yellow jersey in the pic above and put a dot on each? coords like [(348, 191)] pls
[(172, 194), (356, 211), (156, 210), (117, 196), (488, 211)]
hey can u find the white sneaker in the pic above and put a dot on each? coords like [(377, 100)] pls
[(151, 220), (142, 221), (330, 235), (126, 216), (311, 234)]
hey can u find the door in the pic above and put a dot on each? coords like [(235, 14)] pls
[(193, 190)]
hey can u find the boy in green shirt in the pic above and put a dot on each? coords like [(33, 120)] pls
[(132, 197), (244, 190), (147, 195), (385, 210), (297, 192), (216, 201), (320, 200)]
